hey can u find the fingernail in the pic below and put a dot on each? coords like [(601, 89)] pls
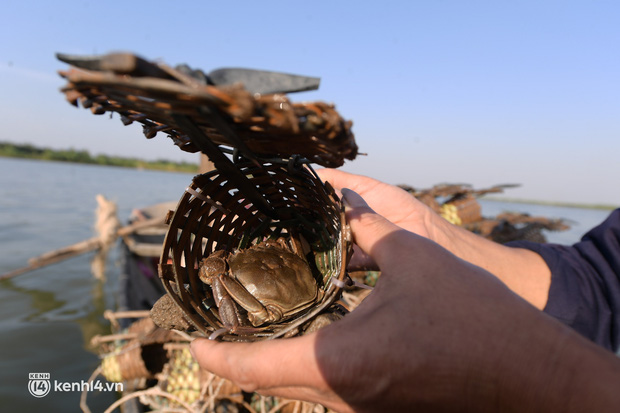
[(345, 201), (352, 199), (191, 347)]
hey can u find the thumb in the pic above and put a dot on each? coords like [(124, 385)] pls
[(369, 228), (261, 365)]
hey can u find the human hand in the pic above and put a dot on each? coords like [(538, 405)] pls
[(436, 334), (393, 203), (522, 270)]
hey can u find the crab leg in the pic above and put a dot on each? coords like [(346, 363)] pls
[(257, 313), (228, 310)]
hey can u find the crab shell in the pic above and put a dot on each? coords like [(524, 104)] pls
[(285, 279)]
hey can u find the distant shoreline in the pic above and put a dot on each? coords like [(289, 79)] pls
[(27, 151), (551, 203)]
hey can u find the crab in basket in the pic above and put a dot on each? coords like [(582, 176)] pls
[(264, 284)]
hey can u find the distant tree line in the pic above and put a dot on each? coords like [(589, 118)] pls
[(28, 151)]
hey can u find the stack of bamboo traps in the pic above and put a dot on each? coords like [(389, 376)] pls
[(458, 203)]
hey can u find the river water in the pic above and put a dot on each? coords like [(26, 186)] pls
[(48, 316)]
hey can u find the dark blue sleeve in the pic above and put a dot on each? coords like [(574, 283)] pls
[(585, 282)]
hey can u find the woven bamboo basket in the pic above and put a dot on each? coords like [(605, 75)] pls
[(213, 214), (133, 361), (141, 356)]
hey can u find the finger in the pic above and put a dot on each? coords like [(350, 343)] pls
[(263, 365), (369, 229), (340, 179), (392, 202), (336, 178), (300, 393)]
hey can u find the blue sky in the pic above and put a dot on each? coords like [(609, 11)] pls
[(481, 92)]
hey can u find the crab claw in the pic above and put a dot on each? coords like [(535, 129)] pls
[(212, 266)]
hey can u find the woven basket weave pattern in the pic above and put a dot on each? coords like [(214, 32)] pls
[(214, 215)]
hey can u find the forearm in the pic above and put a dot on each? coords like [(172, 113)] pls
[(523, 271)]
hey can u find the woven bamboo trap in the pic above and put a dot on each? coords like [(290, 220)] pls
[(214, 214), (262, 190)]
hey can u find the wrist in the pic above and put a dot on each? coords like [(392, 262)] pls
[(442, 232), (521, 270)]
